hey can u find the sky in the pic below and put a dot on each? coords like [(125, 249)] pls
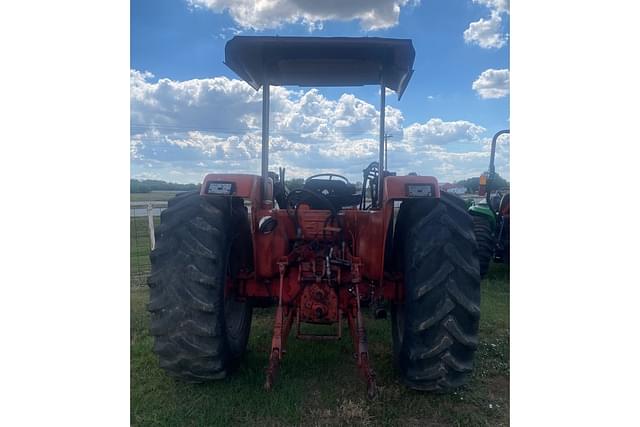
[(191, 115)]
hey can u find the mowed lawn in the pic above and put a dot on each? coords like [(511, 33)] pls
[(318, 383)]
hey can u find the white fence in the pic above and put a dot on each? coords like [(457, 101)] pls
[(144, 217)]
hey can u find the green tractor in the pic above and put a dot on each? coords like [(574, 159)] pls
[(491, 218)]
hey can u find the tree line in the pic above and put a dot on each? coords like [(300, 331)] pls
[(472, 184), (148, 185)]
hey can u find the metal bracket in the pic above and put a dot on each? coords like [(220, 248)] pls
[(319, 337), (359, 335), (281, 331)]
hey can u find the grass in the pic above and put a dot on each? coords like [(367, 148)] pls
[(318, 382)]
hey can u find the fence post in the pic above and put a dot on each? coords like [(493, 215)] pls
[(152, 236)]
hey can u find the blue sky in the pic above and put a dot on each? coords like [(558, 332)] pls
[(457, 98)]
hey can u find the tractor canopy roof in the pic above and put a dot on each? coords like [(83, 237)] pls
[(321, 61)]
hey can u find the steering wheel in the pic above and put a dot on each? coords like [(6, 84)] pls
[(295, 197), (330, 175)]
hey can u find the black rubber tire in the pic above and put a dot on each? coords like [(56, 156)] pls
[(505, 240), (200, 333), (486, 243), (435, 330)]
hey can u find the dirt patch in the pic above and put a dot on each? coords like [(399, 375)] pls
[(347, 412)]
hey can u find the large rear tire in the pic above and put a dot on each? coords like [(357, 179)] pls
[(200, 329), (486, 243), (435, 330)]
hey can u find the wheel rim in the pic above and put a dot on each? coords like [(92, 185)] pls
[(398, 324), (397, 333), (235, 312), (234, 316)]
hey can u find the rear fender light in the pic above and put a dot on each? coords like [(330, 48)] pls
[(221, 188), (420, 190)]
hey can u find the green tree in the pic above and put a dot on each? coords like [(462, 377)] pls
[(295, 183), (147, 185), (473, 184)]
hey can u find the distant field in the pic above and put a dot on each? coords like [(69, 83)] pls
[(318, 383), (153, 196)]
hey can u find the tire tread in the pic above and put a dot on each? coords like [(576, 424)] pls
[(186, 283), (442, 282)]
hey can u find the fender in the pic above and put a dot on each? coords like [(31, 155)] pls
[(484, 211), (243, 186), (396, 189)]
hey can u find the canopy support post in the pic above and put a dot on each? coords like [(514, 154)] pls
[(265, 137), (381, 162), (492, 167)]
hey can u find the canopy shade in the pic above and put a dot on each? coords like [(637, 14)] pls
[(321, 61)]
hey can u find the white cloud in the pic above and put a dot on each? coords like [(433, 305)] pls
[(219, 103), (492, 84), (499, 6), (265, 14), (387, 92), (438, 132), (213, 125), (487, 33)]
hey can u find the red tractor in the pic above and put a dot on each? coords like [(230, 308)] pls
[(321, 253)]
